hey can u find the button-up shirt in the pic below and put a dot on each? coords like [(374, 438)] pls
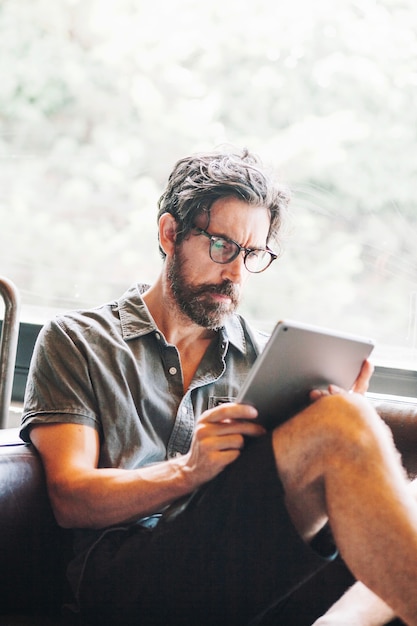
[(111, 368)]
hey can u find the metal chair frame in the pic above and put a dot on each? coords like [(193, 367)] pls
[(8, 345)]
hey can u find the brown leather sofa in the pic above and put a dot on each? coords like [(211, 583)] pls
[(34, 550)]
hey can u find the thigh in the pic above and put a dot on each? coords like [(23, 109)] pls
[(228, 556)]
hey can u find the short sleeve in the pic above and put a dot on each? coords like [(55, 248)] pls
[(58, 387)]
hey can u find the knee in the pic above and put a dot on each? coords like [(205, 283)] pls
[(338, 436), (351, 429)]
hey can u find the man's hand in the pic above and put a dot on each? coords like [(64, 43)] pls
[(360, 385), (218, 440)]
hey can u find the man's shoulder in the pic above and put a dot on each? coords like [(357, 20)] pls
[(103, 316), (78, 320)]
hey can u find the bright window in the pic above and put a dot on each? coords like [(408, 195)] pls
[(99, 98)]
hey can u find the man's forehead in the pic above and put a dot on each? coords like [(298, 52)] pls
[(231, 207), (235, 214)]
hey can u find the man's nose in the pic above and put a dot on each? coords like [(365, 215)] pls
[(235, 271)]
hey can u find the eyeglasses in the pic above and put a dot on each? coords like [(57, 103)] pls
[(224, 250)]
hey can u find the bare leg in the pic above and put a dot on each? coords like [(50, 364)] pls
[(337, 460), (359, 605)]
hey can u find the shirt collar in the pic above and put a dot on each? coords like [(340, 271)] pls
[(136, 320)]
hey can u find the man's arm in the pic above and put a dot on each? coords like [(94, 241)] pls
[(85, 496)]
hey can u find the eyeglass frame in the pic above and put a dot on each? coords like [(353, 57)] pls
[(239, 249)]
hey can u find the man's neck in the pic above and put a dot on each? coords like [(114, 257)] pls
[(176, 327), (190, 339)]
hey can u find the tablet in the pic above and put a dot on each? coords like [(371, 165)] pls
[(298, 358)]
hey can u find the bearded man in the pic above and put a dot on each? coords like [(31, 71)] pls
[(184, 510)]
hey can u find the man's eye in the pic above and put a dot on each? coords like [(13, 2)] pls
[(221, 245)]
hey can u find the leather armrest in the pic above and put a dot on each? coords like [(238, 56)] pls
[(401, 416), (32, 552)]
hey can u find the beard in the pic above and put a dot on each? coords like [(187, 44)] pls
[(195, 301)]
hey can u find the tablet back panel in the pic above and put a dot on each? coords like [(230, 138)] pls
[(297, 359)]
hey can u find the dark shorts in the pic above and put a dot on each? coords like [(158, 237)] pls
[(225, 559)]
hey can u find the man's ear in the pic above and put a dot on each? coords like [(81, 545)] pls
[(167, 232)]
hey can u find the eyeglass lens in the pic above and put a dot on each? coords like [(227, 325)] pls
[(225, 251)]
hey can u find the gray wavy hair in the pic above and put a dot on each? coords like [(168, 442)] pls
[(197, 181)]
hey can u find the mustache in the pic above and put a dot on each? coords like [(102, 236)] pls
[(226, 288)]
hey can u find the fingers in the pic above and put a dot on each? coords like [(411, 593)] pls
[(233, 418), (361, 384), (331, 390), (229, 411), (229, 423), (219, 437)]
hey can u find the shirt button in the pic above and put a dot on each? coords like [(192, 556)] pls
[(184, 410), (172, 370)]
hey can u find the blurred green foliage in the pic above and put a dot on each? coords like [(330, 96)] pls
[(99, 98)]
